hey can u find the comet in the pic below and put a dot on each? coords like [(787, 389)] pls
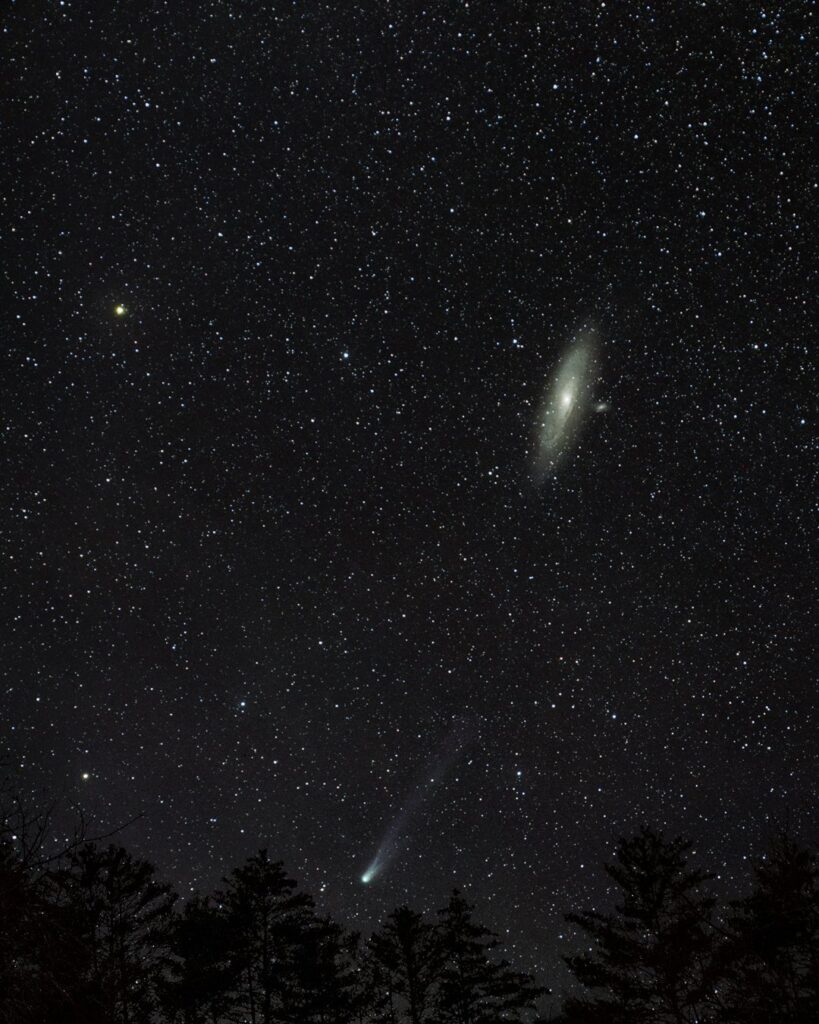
[(371, 872), (458, 739), (567, 400)]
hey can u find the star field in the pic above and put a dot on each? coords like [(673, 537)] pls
[(284, 287)]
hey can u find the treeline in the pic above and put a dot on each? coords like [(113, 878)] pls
[(97, 939), (92, 937)]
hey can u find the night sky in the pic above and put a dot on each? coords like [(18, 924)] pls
[(291, 291)]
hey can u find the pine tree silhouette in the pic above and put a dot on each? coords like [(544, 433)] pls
[(651, 958), (474, 988), (201, 979), (403, 959), (323, 978), (267, 918), (773, 957)]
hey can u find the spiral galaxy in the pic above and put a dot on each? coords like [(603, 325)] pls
[(566, 403)]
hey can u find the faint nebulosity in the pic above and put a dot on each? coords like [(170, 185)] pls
[(287, 287)]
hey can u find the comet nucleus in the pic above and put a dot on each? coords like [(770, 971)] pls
[(566, 403)]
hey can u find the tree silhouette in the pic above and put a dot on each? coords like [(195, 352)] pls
[(323, 979), (651, 959), (43, 960), (403, 959), (773, 957), (472, 987), (267, 918), (22, 945), (119, 915), (201, 980)]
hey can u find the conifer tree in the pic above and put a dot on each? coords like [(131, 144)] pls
[(403, 958), (322, 984), (773, 958), (474, 988), (200, 981), (267, 918), (650, 960)]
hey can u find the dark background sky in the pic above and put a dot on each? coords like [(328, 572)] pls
[(272, 532)]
